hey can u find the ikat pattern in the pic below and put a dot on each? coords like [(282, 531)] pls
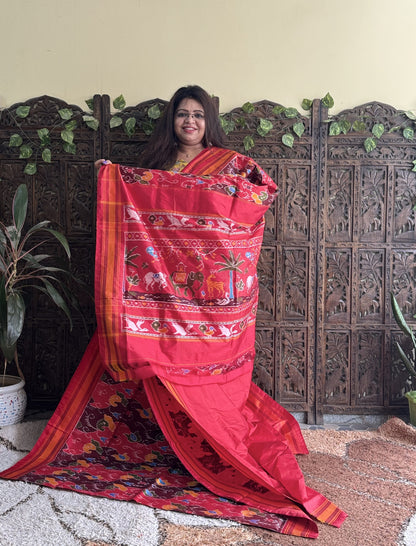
[(117, 450)]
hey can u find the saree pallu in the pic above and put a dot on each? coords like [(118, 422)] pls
[(162, 409)]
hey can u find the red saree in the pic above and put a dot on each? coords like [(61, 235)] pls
[(162, 409)]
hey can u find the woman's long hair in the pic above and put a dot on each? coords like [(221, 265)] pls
[(162, 148)]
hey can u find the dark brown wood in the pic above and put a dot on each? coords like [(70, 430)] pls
[(340, 235)]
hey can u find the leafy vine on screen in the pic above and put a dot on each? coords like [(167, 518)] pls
[(34, 150)]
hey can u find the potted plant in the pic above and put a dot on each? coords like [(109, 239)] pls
[(24, 266), (409, 358)]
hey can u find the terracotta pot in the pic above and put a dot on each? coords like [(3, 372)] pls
[(411, 396), (12, 400)]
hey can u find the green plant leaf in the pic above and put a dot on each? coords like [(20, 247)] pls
[(69, 148), (406, 361), (44, 137), (15, 140), (370, 144), (22, 111), (288, 140), (227, 125), (248, 108), (57, 299), (344, 125), (67, 136), (264, 127), (278, 109), (62, 240), (147, 126), (411, 115), (115, 121), (378, 130), (90, 103), (154, 112), (248, 142), (307, 104), (359, 126), (291, 113), (65, 113), (71, 125), (119, 103), (20, 200), (30, 168), (328, 101), (408, 133), (91, 122), (46, 155), (299, 128), (129, 126), (334, 129), (399, 318), (25, 151)]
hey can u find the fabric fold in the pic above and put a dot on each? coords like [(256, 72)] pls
[(162, 409)]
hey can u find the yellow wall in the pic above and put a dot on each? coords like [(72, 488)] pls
[(282, 50)]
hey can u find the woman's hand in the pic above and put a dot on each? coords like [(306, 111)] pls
[(100, 162)]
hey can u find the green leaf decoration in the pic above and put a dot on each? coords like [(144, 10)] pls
[(25, 151), (20, 206), (278, 109), (291, 113), (154, 112), (241, 122), (248, 142), (15, 140), (264, 127), (359, 126), (90, 103), (91, 122), (44, 138), (344, 125), (370, 144), (22, 111), (414, 166), (70, 148), (410, 115), (147, 126), (408, 133), (65, 113), (288, 140), (115, 121), (67, 136), (307, 104), (248, 108), (119, 103), (378, 130), (129, 126), (334, 129), (328, 101), (46, 155), (30, 168), (227, 125), (299, 128), (71, 125)]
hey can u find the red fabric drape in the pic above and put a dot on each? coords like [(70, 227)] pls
[(176, 298)]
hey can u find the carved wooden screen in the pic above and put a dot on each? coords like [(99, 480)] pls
[(285, 340), (340, 235), (366, 248), (64, 193)]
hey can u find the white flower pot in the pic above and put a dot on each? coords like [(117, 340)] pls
[(12, 400)]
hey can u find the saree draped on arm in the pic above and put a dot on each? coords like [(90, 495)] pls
[(176, 299)]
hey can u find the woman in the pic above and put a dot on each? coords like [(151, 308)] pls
[(166, 381), (189, 124)]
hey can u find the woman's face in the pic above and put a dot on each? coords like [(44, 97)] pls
[(189, 122)]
